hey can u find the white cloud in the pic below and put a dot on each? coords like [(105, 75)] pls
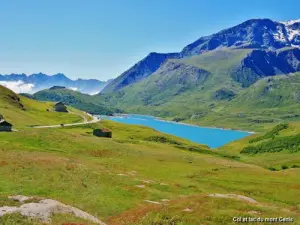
[(93, 93), (18, 86), (73, 88)]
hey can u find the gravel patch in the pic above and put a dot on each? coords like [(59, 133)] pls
[(153, 202), (240, 197)]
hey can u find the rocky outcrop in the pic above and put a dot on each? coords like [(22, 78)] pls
[(255, 33), (43, 209), (260, 63)]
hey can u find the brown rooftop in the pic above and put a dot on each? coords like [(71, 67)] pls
[(105, 130)]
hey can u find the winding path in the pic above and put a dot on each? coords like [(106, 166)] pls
[(85, 121)]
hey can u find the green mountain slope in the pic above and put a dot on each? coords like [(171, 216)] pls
[(196, 76), (270, 100), (88, 103), (216, 88), (271, 92), (22, 111), (260, 34)]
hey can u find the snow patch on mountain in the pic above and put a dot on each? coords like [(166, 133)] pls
[(290, 22), (279, 35), (293, 33)]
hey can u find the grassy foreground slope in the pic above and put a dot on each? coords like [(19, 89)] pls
[(276, 149), (112, 178), (23, 112), (140, 176)]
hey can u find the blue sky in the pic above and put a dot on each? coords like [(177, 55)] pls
[(103, 38)]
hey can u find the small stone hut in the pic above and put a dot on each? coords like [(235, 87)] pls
[(5, 126), (102, 133), (60, 107)]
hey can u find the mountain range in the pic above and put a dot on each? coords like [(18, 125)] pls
[(210, 79), (36, 82), (244, 77), (263, 34)]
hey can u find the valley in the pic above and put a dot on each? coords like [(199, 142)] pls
[(212, 137), (62, 165), (140, 175)]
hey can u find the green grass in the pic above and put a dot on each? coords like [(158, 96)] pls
[(290, 144), (71, 165), (17, 219), (275, 149), (175, 215), (270, 134), (22, 111), (100, 175)]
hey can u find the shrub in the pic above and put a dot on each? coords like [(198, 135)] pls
[(162, 139), (272, 169), (295, 166), (289, 143), (271, 134), (284, 167), (178, 119)]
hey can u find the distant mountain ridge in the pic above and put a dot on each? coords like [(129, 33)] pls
[(40, 81), (251, 34)]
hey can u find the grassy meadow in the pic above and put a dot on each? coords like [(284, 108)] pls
[(112, 178), (140, 176), (275, 153), (23, 112)]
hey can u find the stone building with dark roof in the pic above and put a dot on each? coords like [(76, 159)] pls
[(102, 133), (60, 107), (5, 126)]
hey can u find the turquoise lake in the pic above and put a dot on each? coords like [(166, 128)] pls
[(213, 137)]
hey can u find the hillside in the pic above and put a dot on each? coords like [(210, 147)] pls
[(219, 80), (23, 112), (177, 77), (212, 91), (269, 101), (139, 71), (276, 149), (260, 34), (271, 92), (75, 99), (139, 176)]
